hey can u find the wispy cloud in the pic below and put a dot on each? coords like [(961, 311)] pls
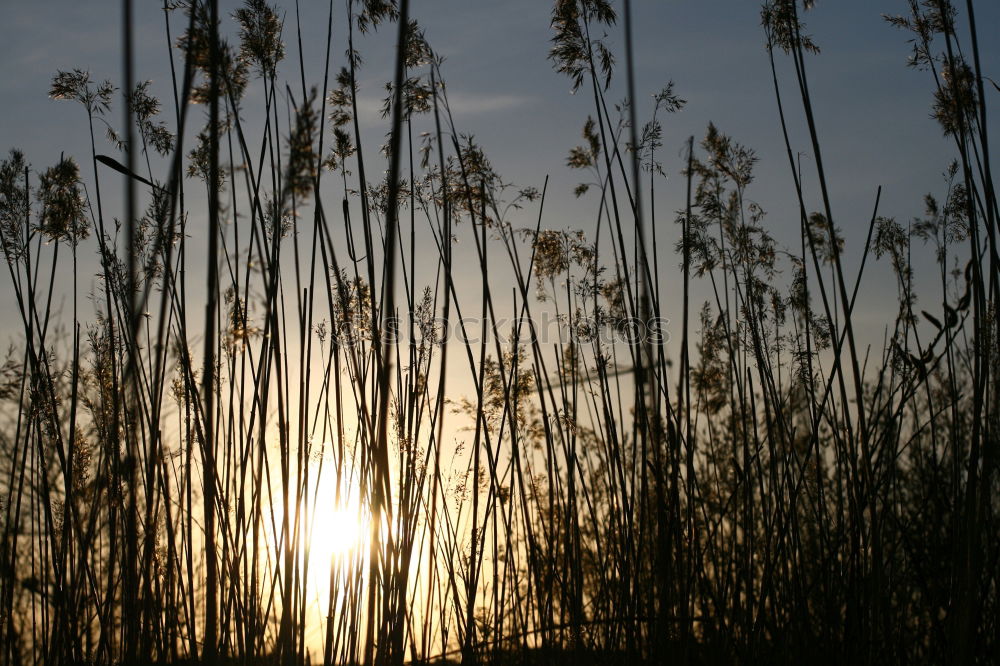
[(462, 104), (469, 104)]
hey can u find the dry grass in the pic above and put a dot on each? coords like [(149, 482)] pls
[(762, 489)]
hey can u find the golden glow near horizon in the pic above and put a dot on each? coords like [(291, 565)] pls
[(335, 521), (329, 531)]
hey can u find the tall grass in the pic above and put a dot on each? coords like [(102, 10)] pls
[(752, 484)]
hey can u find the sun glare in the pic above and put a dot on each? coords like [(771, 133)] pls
[(330, 525), (335, 523), (330, 532)]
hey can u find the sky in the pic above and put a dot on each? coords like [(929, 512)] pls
[(872, 110)]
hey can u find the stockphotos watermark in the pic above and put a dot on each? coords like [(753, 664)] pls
[(544, 329)]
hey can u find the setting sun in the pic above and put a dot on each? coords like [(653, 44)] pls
[(325, 535), (328, 526), (335, 521)]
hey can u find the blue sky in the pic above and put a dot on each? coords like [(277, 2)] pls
[(872, 111)]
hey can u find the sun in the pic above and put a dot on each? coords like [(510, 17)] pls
[(334, 523), (329, 531), (329, 525)]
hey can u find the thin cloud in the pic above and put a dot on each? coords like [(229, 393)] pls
[(466, 104), (462, 104)]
